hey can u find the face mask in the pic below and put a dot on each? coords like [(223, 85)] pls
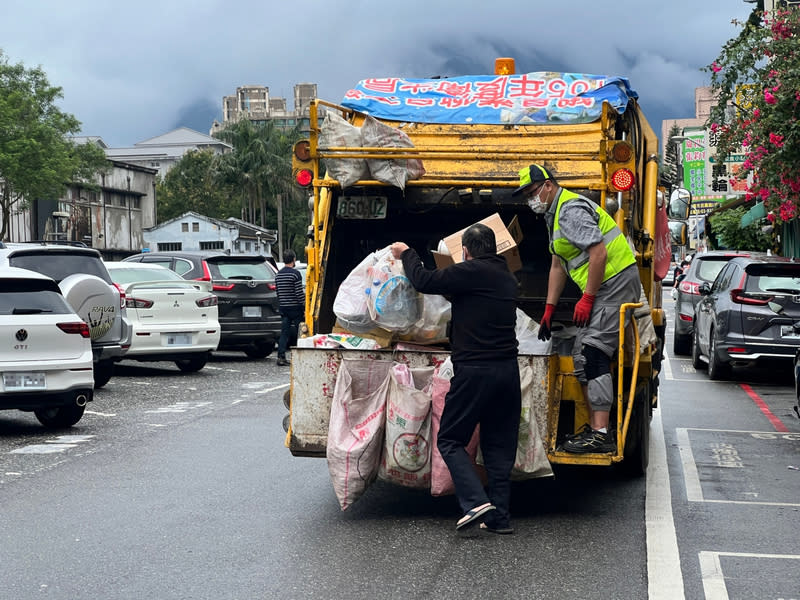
[(536, 204)]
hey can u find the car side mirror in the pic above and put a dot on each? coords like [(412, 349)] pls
[(680, 202), (705, 288)]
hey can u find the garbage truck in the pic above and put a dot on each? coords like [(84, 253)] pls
[(464, 141)]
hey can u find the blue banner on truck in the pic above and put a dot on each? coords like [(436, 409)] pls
[(524, 98)]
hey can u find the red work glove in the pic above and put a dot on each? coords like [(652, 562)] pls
[(583, 310), (544, 324)]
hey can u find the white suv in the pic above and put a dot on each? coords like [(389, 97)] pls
[(45, 350), (87, 286)]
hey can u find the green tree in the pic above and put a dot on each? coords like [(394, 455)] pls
[(728, 233), (670, 164), (757, 79), (38, 159), (191, 185)]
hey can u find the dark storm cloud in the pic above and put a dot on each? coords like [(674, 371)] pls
[(134, 70)]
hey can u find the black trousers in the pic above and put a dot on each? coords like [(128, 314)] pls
[(291, 317), (487, 393)]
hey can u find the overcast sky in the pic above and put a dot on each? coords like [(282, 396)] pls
[(133, 70)]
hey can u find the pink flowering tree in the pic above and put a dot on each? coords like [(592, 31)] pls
[(757, 80)]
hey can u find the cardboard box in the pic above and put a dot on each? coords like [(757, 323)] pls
[(507, 240)]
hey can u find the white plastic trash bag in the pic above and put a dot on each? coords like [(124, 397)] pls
[(350, 304), (527, 331), (531, 460), (356, 427), (436, 312), (392, 171), (392, 301), (336, 131)]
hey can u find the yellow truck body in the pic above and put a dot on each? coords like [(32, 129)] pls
[(470, 172)]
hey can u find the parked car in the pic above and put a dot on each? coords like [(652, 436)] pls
[(703, 269), (749, 315), (246, 293), (84, 280), (173, 319), (45, 350)]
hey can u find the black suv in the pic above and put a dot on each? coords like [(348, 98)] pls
[(749, 315), (87, 286), (245, 287)]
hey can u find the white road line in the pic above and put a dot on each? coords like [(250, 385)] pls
[(668, 368), (694, 491), (100, 414), (665, 579), (713, 577), (272, 389)]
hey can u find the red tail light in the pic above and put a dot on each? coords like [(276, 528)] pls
[(622, 179), (690, 287), (739, 297), (207, 301), (272, 286), (206, 273), (132, 302), (78, 327), (222, 288), (121, 291)]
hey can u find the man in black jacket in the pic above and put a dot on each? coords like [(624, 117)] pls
[(485, 388)]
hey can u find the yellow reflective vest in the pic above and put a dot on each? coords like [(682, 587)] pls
[(575, 260)]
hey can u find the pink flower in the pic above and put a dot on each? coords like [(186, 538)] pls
[(715, 67), (769, 98), (788, 210), (770, 217), (764, 193), (714, 127), (776, 139), (756, 113)]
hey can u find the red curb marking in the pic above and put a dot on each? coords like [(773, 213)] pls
[(776, 422)]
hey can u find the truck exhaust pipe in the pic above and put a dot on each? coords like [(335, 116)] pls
[(81, 399)]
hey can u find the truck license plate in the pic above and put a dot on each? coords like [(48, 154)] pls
[(362, 207), (179, 339), (23, 381), (251, 311)]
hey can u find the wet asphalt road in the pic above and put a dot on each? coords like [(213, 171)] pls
[(179, 486)]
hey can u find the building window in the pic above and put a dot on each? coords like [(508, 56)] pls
[(195, 226), (169, 246), (218, 245), (135, 202), (247, 246), (184, 228)]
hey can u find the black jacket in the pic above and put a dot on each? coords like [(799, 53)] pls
[(483, 294)]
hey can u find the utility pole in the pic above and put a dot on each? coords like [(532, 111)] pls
[(279, 198)]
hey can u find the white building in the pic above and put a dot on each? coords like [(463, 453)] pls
[(193, 231), (163, 151)]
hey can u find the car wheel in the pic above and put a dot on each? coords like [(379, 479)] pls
[(716, 369), (193, 364), (59, 417), (681, 344), (103, 370), (696, 362), (260, 349)]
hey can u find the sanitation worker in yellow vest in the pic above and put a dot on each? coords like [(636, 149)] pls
[(588, 247)]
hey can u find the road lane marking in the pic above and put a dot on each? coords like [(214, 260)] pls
[(776, 422), (272, 389), (691, 477), (100, 414), (664, 576), (713, 577), (179, 407), (58, 444)]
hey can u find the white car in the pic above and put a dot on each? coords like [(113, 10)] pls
[(45, 350), (173, 318)]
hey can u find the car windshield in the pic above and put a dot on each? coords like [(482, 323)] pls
[(59, 265), (20, 298), (708, 269), (123, 276), (249, 270), (786, 281)]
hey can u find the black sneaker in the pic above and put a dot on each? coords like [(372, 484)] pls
[(590, 441), (282, 362), (584, 430)]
